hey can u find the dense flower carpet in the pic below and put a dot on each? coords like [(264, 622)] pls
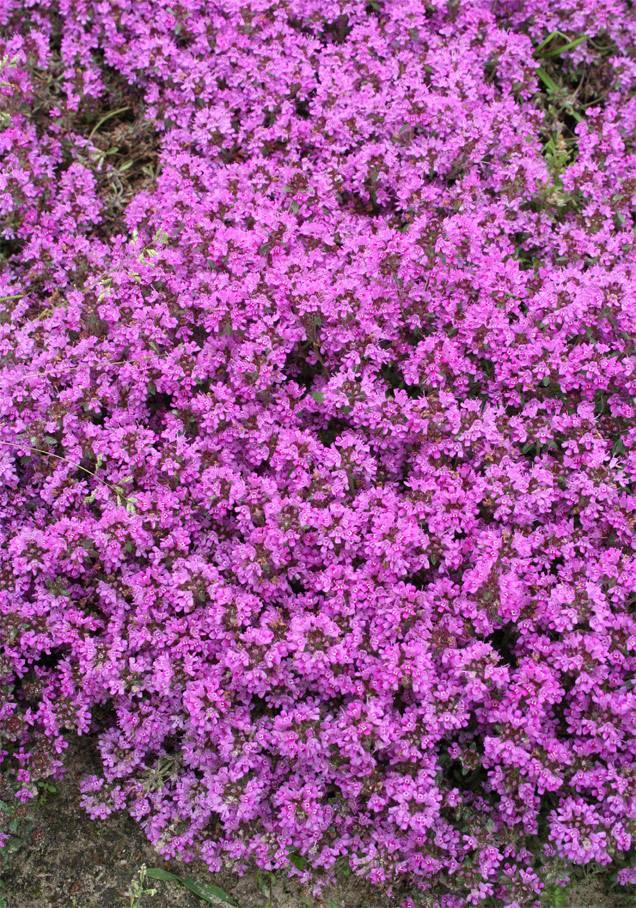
[(317, 386)]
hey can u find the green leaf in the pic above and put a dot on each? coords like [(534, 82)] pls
[(570, 45), (618, 447), (207, 892), (318, 396), (105, 118), (158, 873), (298, 860), (547, 40), (547, 80)]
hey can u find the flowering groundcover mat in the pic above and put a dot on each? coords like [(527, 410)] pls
[(317, 431)]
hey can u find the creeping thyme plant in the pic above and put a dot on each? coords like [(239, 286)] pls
[(317, 431)]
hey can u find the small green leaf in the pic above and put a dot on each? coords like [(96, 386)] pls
[(105, 118), (570, 45), (547, 40), (548, 81), (318, 396), (618, 447), (298, 860), (207, 892), (158, 873)]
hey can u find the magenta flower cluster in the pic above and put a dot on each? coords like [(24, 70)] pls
[(316, 461)]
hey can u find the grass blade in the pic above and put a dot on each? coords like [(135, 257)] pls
[(105, 118), (564, 47), (548, 81), (546, 41)]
